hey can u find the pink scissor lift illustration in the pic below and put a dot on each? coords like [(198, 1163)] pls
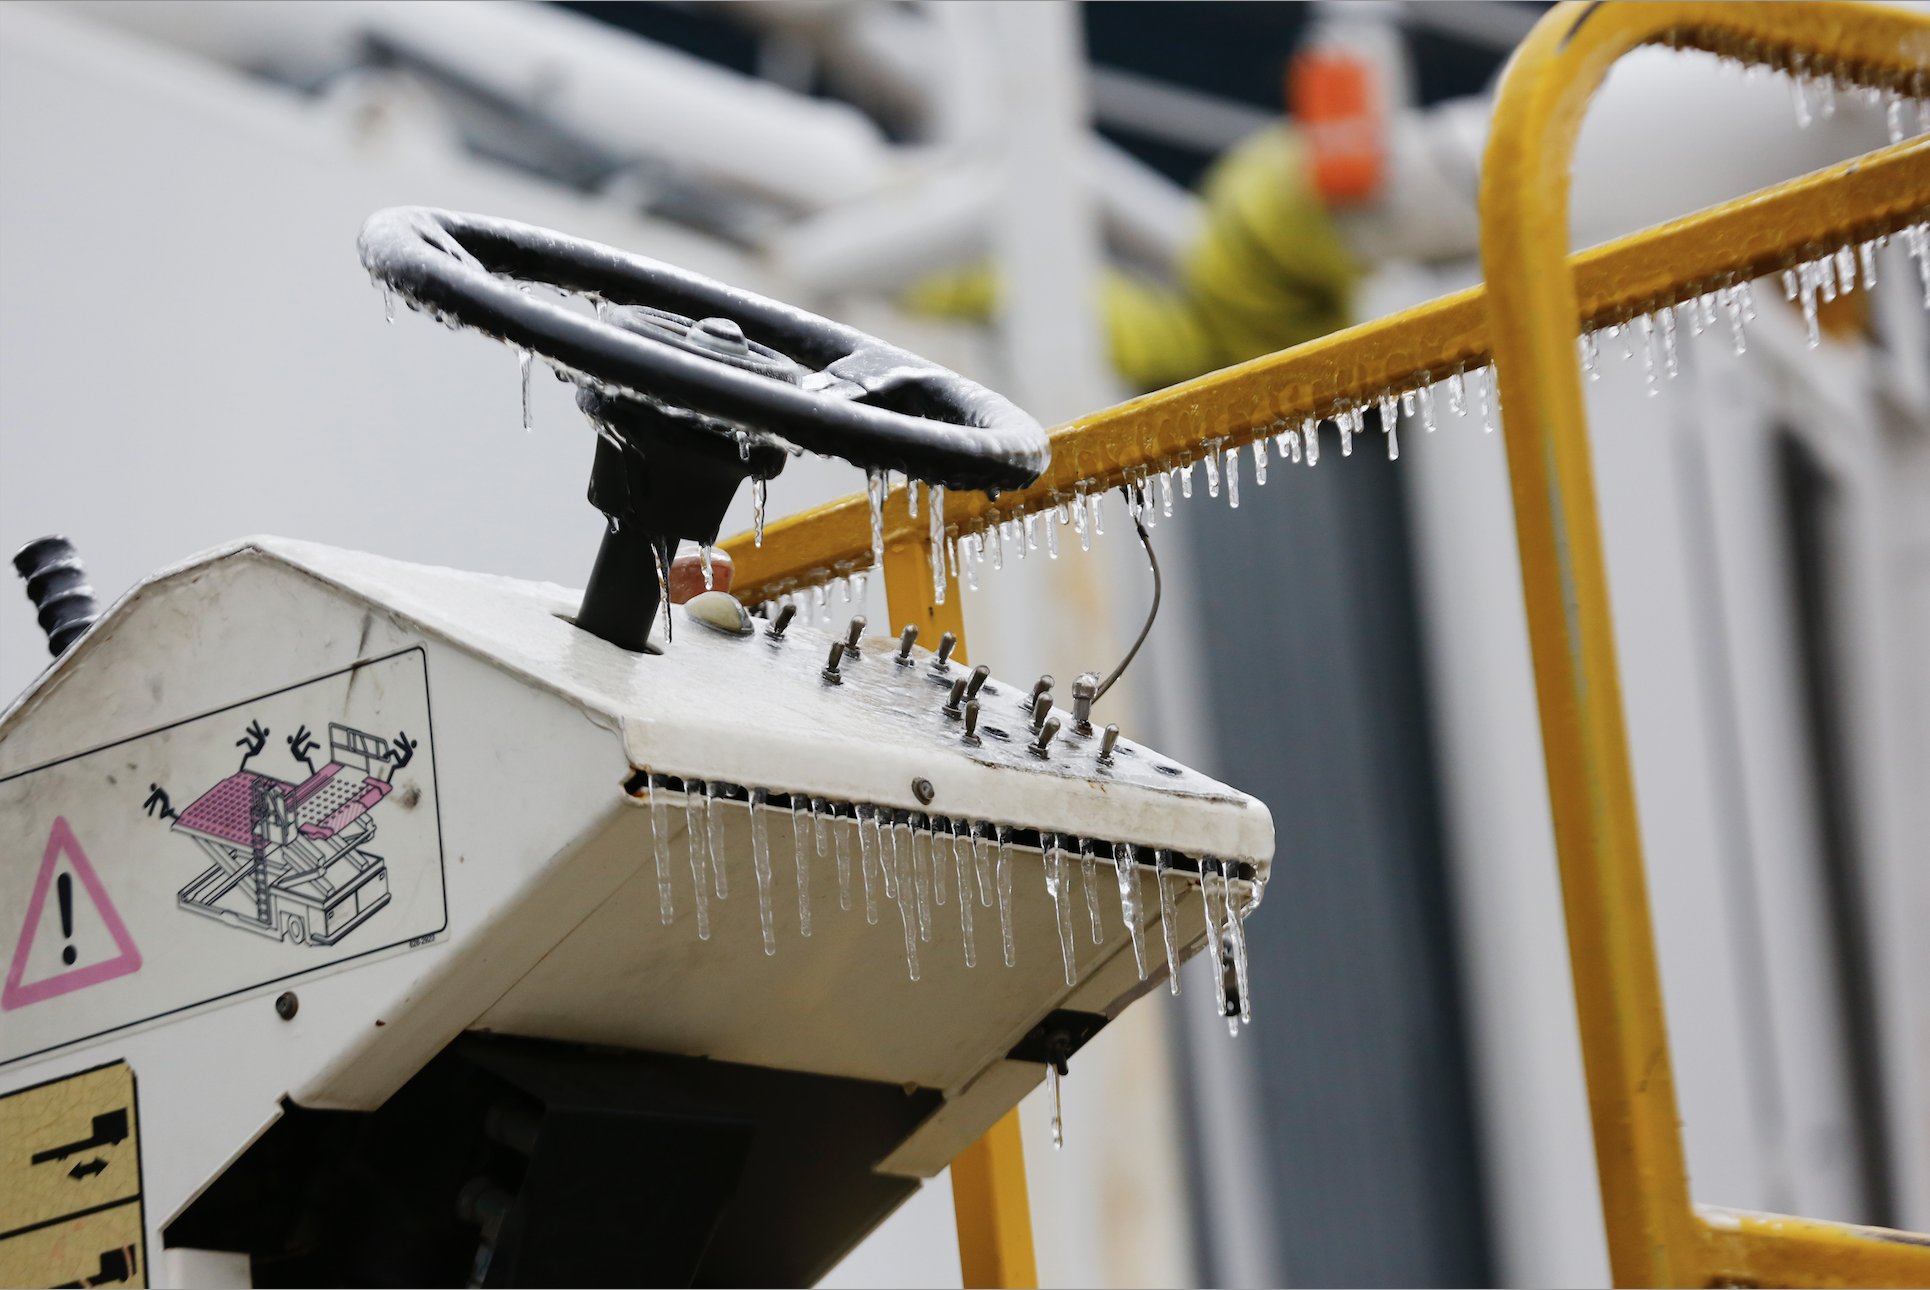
[(291, 860)]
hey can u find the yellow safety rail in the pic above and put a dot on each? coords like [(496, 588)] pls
[(1656, 1236), (1525, 320)]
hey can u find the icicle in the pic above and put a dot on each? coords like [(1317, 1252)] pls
[(1732, 307), (1427, 408), (758, 489), (715, 834), (1089, 877), (938, 894), (801, 861), (1212, 463), (703, 559), (1166, 493), (1799, 92), (1056, 882), (660, 846), (1806, 282), (841, 831), (1483, 377), (1825, 272), (1002, 838), (1345, 420), (1052, 1098), (1213, 938), (663, 589), (1390, 420), (906, 881), (1669, 361), (1845, 270), (1260, 463), (1866, 253), (911, 498), (1826, 97), (1052, 536), (1168, 917), (870, 859), (1097, 501), (997, 533), (1586, 344), (904, 848), (969, 557), (1647, 328), (761, 866), (388, 301), (1079, 518), (1185, 472), (981, 862), (524, 361), (1458, 391), (875, 488), (1122, 860), (937, 537), (962, 868), (1236, 938), (695, 806), (887, 852), (1893, 117)]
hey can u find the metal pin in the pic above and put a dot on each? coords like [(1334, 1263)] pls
[(784, 617), (852, 633), (956, 698), (971, 723), (1106, 741), (1085, 688), (1040, 707), (946, 644), (980, 675), (831, 672), (905, 643), (1040, 686), (1049, 729)]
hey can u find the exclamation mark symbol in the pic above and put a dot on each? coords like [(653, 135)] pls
[(64, 889)]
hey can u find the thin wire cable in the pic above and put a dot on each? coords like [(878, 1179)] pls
[(1145, 540)]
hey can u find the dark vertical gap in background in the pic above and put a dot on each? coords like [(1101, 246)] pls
[(1809, 505), (1318, 705)]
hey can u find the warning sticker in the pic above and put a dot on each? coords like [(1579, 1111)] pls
[(70, 1182), (280, 836)]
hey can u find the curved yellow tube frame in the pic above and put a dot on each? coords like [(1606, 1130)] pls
[(1525, 321), (1655, 1234)]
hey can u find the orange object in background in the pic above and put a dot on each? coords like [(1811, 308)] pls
[(1337, 100), (687, 574)]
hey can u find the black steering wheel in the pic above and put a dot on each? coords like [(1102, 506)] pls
[(684, 343)]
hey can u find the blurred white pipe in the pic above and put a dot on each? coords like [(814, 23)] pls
[(743, 134)]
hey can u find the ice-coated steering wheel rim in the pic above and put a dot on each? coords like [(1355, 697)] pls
[(869, 402)]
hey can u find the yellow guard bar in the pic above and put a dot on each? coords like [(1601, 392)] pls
[(1655, 1235)]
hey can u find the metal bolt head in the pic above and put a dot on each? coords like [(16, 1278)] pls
[(921, 788), (287, 1005)]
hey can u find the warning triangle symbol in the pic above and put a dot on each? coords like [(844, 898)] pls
[(62, 844)]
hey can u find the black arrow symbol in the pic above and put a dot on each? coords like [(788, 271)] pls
[(86, 1168), (109, 1129)]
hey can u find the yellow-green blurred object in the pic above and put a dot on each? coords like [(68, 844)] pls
[(1268, 271)]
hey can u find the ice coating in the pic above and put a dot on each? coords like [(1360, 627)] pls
[(660, 847), (1168, 917), (714, 835), (1057, 880), (696, 813), (1123, 862)]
